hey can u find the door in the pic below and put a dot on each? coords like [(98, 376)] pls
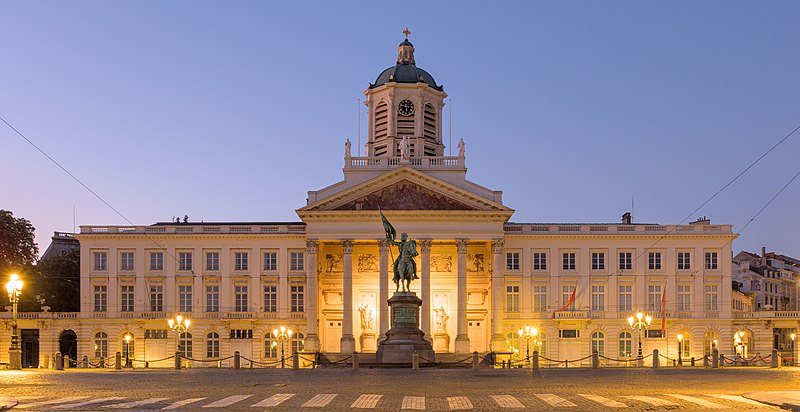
[(30, 348), (333, 334), (476, 336), (68, 344)]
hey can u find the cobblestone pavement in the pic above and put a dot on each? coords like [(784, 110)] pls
[(395, 389)]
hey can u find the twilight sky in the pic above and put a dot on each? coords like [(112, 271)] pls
[(231, 111)]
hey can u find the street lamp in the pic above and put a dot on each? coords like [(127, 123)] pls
[(128, 338), (680, 348), (527, 333), (14, 288), (179, 325), (639, 323), (282, 334)]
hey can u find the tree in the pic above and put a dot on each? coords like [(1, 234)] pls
[(18, 249), (56, 282)]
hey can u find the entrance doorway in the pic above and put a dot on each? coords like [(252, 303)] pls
[(30, 348), (68, 344)]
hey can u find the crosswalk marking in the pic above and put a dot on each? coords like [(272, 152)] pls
[(178, 404), (50, 402), (275, 400), (86, 403), (366, 401), (507, 401), (459, 402), (736, 398), (555, 400), (413, 402), (652, 401), (701, 402), (230, 400), (604, 401), (321, 400), (128, 405)]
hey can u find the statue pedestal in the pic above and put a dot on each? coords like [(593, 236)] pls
[(368, 343), (404, 337), (441, 342)]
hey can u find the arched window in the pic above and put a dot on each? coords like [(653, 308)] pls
[(212, 345), (513, 342), (625, 345), (127, 345), (429, 124), (298, 342), (101, 345), (271, 346), (185, 344), (684, 345), (541, 343), (709, 342), (599, 343)]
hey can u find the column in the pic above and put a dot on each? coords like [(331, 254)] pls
[(462, 334), (312, 337), (425, 278), (498, 341), (383, 293), (347, 344)]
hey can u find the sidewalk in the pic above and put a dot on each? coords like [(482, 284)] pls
[(7, 403), (782, 399)]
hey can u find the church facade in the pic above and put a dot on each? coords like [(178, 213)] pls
[(482, 278)]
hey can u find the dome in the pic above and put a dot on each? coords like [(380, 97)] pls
[(405, 73)]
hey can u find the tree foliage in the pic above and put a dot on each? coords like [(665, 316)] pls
[(56, 282), (18, 249)]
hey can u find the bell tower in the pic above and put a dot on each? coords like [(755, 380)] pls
[(405, 106)]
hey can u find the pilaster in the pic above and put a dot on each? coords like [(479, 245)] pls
[(462, 335)]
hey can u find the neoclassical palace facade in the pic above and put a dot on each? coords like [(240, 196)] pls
[(327, 276)]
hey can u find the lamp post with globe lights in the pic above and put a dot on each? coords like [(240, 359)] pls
[(282, 334), (14, 288), (128, 339), (179, 325), (640, 322), (528, 333)]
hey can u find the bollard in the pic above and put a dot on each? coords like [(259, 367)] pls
[(47, 362), (67, 365), (503, 364), (354, 358), (102, 362), (595, 359), (295, 361), (59, 362), (715, 358), (236, 360), (475, 360), (415, 361), (656, 360), (692, 360), (776, 359), (85, 362), (117, 361), (146, 364), (510, 364), (535, 362), (177, 360), (566, 363)]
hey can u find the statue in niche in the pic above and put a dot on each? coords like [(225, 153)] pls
[(441, 318), (367, 263), (333, 263), (441, 263), (366, 317), (475, 262)]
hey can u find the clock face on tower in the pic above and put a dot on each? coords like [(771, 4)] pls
[(405, 108)]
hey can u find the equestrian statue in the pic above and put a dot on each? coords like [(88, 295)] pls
[(405, 269)]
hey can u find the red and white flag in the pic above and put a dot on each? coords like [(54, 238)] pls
[(569, 302)]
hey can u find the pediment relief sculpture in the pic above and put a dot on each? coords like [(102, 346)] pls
[(404, 195)]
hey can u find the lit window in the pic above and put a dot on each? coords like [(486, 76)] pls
[(100, 299), (512, 298)]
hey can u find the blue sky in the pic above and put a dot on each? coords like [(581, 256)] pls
[(231, 111)]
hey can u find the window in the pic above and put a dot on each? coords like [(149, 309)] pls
[(297, 261), (625, 261), (126, 261), (566, 293), (212, 345), (539, 298), (270, 261), (512, 260), (598, 298), (568, 261), (185, 261), (212, 261), (653, 333), (185, 298), (127, 299), (127, 346), (684, 261), (625, 298), (654, 260), (539, 261), (212, 298), (101, 345), (156, 299), (712, 298), (684, 298), (270, 346), (625, 345), (297, 299), (240, 260), (711, 261), (241, 334), (100, 260), (240, 298), (155, 333), (684, 346), (654, 298), (569, 333), (100, 299), (512, 298), (270, 298), (599, 343), (185, 344), (298, 342), (598, 261), (542, 344), (156, 261)]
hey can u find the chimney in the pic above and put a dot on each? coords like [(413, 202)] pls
[(627, 218), (763, 256)]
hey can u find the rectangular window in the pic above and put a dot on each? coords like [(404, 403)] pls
[(240, 298), (569, 333), (598, 261), (566, 294), (185, 298), (156, 261), (712, 298), (684, 298), (185, 261), (270, 261), (568, 261), (156, 298), (625, 298), (539, 298), (711, 261), (297, 261), (126, 261), (270, 298), (241, 334), (126, 299), (625, 261), (539, 261), (212, 298), (297, 299), (240, 260), (654, 298), (512, 260), (212, 263), (654, 260), (100, 299), (155, 333), (653, 333), (684, 261), (100, 260), (598, 298), (512, 298)]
